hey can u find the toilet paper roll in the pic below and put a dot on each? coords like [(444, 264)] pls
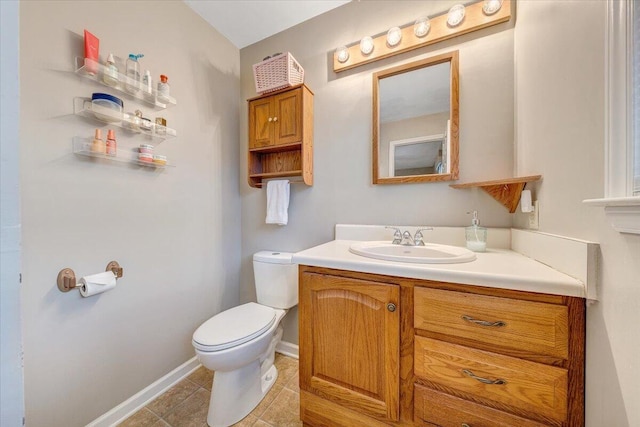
[(97, 283)]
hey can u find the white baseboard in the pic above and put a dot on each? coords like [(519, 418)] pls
[(142, 398), (288, 349)]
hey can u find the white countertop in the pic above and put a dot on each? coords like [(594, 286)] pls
[(496, 268)]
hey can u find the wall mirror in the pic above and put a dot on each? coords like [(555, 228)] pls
[(415, 121)]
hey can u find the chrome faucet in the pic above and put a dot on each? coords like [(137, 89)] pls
[(405, 239), (397, 236), (418, 238)]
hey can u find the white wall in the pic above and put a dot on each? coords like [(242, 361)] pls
[(342, 190), (175, 232), (560, 54), (11, 377)]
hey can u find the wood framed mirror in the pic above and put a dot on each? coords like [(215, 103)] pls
[(415, 121)]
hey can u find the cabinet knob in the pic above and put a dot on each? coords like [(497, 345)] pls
[(391, 307), (270, 119), (465, 425), (275, 119)]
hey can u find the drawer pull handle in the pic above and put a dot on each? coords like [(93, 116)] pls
[(484, 322), (470, 374)]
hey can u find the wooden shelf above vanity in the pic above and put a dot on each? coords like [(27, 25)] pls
[(506, 191)]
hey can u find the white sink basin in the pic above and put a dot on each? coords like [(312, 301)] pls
[(430, 253)]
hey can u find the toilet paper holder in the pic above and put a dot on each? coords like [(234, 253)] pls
[(67, 277)]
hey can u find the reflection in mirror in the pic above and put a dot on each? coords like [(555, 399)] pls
[(415, 134)]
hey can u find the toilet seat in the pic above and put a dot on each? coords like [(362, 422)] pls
[(234, 327)]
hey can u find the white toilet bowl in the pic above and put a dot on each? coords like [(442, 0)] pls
[(239, 344), (244, 373)]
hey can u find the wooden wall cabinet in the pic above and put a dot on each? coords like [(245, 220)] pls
[(448, 355), (281, 136)]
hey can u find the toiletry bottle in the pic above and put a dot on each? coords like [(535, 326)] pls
[(476, 236), (133, 73), (111, 143), (147, 86), (110, 76), (97, 146), (163, 88)]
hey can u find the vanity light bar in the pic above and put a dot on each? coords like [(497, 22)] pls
[(475, 18)]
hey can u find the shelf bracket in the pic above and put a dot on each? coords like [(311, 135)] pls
[(506, 191)]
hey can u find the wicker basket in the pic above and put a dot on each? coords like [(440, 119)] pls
[(277, 72)]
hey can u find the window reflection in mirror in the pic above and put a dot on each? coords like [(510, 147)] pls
[(415, 134)]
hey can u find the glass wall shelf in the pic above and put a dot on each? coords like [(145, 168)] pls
[(82, 147), (83, 107), (95, 71)]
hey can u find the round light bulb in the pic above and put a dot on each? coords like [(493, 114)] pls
[(366, 45), (342, 54), (491, 6), (422, 26), (394, 36), (456, 15)]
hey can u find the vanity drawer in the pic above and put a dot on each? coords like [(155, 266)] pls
[(526, 327), (520, 384), (435, 408)]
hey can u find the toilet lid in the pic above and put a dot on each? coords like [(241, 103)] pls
[(234, 327)]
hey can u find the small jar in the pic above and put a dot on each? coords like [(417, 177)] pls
[(159, 160), (146, 124), (145, 157), (161, 126), (146, 149)]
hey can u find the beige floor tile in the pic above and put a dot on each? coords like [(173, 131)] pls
[(287, 368), (192, 412), (268, 399), (261, 423), (284, 411), (172, 397), (202, 376), (142, 418), (294, 382), (247, 421)]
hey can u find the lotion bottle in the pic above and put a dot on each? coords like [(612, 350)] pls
[(476, 236), (111, 143), (110, 76), (97, 146)]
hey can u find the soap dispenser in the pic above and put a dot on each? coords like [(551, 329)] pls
[(476, 236)]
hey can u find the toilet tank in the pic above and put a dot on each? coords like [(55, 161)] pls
[(276, 279)]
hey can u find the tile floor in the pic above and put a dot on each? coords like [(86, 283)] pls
[(186, 403)]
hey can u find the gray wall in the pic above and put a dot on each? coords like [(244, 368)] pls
[(11, 377), (560, 134), (342, 190), (175, 231)]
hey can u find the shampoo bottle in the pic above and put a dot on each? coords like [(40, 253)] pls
[(133, 73), (476, 236)]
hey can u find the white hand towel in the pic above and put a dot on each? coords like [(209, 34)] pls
[(277, 202)]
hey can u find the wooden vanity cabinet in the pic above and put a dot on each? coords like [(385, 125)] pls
[(281, 135), (350, 345), (447, 355), (491, 357)]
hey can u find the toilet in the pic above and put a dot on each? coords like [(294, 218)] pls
[(239, 343)]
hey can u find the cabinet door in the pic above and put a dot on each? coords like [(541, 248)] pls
[(288, 117), (349, 342), (261, 130)]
